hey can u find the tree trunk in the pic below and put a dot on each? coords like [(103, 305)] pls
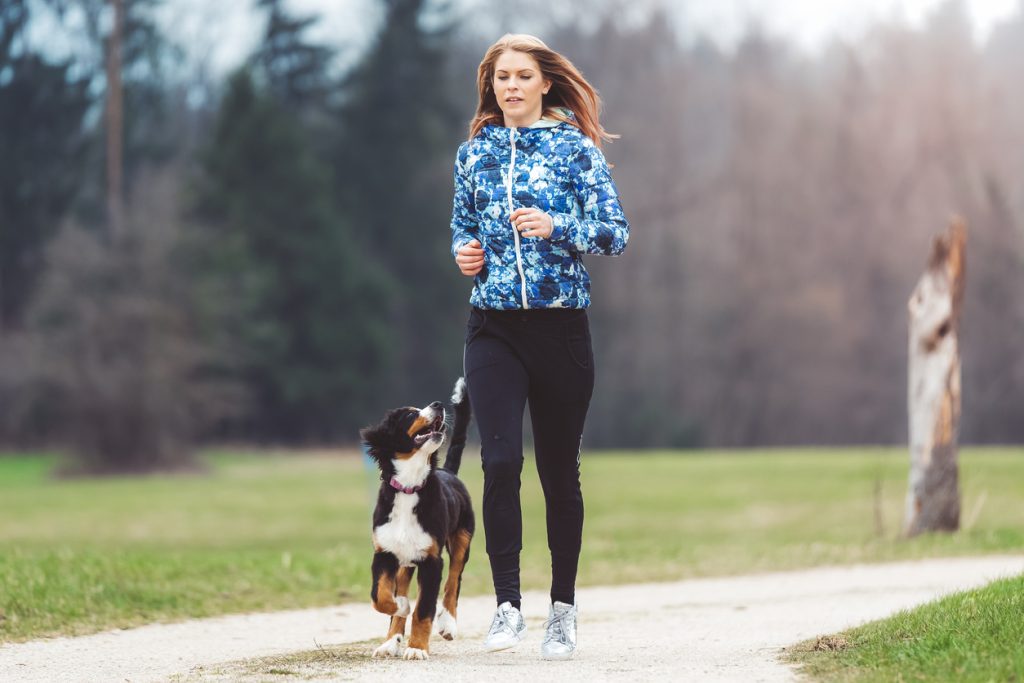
[(933, 496), (115, 123)]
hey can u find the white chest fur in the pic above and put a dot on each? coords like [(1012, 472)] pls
[(402, 534)]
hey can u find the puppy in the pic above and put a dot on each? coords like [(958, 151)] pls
[(420, 510)]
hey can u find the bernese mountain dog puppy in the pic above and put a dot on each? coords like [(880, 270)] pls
[(420, 510)]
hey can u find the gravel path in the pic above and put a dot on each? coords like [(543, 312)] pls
[(723, 629)]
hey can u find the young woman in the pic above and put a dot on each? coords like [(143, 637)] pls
[(532, 195)]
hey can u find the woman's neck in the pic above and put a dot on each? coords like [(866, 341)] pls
[(524, 121)]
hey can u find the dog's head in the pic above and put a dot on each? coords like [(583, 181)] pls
[(403, 434)]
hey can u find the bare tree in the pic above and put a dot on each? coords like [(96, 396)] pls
[(115, 122), (933, 496), (117, 340)]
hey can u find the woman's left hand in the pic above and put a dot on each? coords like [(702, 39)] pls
[(531, 222)]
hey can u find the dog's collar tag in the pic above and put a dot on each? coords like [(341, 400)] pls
[(404, 489)]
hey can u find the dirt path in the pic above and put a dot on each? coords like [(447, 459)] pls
[(726, 629)]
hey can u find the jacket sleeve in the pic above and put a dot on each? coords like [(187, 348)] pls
[(603, 229), (464, 222)]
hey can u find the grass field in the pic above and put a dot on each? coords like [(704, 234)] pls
[(271, 532), (976, 635)]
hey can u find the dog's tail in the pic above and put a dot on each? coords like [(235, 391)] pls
[(463, 413)]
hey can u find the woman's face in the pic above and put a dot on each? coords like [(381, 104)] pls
[(518, 86)]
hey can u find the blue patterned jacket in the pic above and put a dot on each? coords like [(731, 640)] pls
[(552, 166)]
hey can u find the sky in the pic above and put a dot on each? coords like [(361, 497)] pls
[(811, 23), (222, 33), (228, 28)]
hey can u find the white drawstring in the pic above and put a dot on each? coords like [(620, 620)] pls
[(511, 208)]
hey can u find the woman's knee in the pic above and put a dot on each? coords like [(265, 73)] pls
[(502, 458)]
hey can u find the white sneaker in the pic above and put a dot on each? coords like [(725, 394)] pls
[(507, 629), (559, 632)]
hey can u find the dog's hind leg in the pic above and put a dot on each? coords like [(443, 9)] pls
[(429, 581), (458, 554), (394, 645)]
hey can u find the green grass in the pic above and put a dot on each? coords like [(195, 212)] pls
[(977, 635), (274, 532)]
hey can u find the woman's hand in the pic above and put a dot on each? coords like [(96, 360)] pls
[(470, 258), (531, 222)]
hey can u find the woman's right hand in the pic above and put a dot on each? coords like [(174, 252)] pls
[(470, 258)]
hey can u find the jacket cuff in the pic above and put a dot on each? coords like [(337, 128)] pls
[(560, 226)]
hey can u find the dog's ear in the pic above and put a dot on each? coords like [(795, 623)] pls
[(376, 440), (382, 441), (375, 445)]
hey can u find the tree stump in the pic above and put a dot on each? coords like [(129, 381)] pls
[(933, 495)]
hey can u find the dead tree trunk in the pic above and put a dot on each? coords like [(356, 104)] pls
[(115, 123), (933, 495)]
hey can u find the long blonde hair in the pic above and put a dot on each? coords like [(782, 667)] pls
[(569, 88)]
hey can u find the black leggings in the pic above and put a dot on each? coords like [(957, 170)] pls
[(544, 357)]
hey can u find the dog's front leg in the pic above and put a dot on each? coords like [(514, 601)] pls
[(386, 573), (398, 623), (382, 592), (429, 581)]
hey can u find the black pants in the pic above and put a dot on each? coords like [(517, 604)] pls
[(542, 357)]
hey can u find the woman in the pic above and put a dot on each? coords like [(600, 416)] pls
[(532, 195)]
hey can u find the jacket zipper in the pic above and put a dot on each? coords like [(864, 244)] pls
[(511, 208)]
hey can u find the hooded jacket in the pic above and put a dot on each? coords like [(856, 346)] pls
[(554, 167)]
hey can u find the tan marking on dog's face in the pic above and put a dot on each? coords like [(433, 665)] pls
[(419, 423)]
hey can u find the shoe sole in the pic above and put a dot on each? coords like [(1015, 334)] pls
[(499, 648)]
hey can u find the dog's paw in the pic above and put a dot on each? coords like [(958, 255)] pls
[(403, 607), (446, 626), (392, 647), (415, 653)]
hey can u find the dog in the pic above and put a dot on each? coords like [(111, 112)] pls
[(420, 510)]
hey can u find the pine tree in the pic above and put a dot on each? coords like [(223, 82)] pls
[(393, 163), (294, 70), (42, 108), (295, 302)]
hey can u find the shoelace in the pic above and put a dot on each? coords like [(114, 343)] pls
[(501, 620), (554, 627)]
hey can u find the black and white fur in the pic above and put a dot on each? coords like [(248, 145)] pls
[(411, 526)]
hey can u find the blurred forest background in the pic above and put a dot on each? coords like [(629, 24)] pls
[(273, 267)]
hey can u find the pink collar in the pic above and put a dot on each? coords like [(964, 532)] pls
[(404, 489)]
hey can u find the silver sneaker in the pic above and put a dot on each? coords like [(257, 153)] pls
[(507, 629), (559, 632)]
